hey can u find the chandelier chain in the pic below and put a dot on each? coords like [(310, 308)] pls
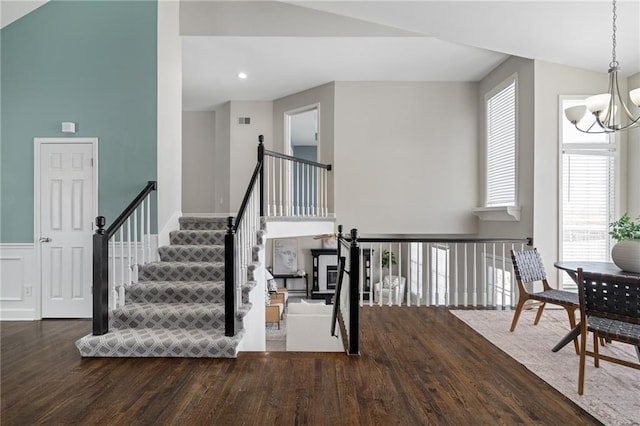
[(614, 62)]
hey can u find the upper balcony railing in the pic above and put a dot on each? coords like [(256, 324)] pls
[(442, 272), (281, 185), (294, 187)]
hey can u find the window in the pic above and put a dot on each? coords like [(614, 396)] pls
[(588, 192), (501, 144)]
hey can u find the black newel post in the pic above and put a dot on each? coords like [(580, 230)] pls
[(100, 279), (229, 280), (261, 162), (354, 295)]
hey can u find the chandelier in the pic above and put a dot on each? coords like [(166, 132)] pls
[(607, 108)]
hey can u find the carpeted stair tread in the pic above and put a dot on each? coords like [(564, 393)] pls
[(198, 223), (145, 342), (176, 292), (168, 315), (176, 309), (197, 237), (192, 253), (181, 271)]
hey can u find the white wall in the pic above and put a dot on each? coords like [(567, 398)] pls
[(552, 81), (525, 147), (324, 96), (169, 119), (198, 158), (222, 159), (406, 157), (244, 143), (633, 159)]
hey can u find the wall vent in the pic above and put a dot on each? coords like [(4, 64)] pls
[(244, 120)]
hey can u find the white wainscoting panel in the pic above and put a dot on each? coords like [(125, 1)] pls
[(19, 287)]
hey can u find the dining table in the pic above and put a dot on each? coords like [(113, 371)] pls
[(571, 268)]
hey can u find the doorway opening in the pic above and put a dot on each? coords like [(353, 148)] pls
[(302, 141)]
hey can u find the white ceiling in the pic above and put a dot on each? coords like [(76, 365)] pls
[(289, 46), (286, 47)]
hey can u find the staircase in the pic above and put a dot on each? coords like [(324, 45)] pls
[(176, 309)]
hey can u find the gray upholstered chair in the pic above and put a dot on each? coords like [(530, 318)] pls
[(528, 268), (610, 309)]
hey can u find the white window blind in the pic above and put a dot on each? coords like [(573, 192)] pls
[(501, 146), (588, 194)]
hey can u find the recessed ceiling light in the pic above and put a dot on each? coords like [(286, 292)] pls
[(242, 75)]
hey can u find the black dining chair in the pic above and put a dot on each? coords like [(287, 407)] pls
[(528, 268), (610, 309)]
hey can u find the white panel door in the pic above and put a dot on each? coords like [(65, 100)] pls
[(66, 216)]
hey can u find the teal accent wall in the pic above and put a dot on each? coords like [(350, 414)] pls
[(90, 62)]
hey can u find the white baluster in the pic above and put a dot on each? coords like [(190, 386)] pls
[(313, 184), (112, 275), (437, 283), (280, 198), (502, 276), (454, 275), (306, 190), (492, 281), (142, 225), (475, 275), (135, 238), (466, 275), (363, 276), (130, 256), (298, 207), (272, 174), (121, 287), (148, 201), (426, 288), (325, 189)]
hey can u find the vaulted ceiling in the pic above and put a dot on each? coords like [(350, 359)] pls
[(288, 46)]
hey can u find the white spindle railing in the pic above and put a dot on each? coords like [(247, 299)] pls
[(440, 272), (246, 238), (294, 187), (129, 247), (117, 250)]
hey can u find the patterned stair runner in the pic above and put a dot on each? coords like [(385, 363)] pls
[(176, 309)]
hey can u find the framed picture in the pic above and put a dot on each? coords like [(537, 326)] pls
[(285, 256)]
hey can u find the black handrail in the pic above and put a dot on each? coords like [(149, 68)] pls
[(152, 185), (101, 260), (528, 240), (297, 160), (247, 196), (230, 323)]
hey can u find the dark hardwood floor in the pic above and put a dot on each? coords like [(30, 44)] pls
[(418, 366)]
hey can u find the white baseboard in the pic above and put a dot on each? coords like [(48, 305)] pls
[(18, 315)]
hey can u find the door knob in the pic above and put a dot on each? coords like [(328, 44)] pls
[(45, 239)]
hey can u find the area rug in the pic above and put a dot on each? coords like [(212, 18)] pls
[(611, 393)]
